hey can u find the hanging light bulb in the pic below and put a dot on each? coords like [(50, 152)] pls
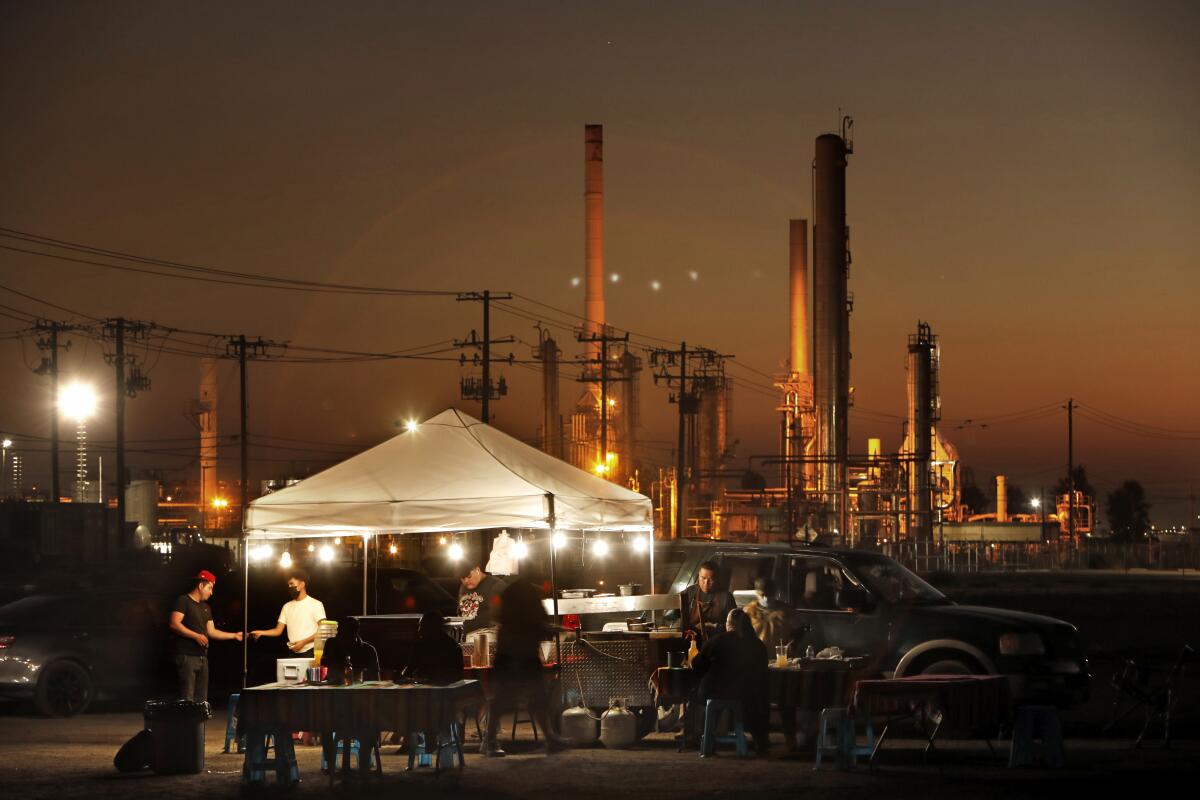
[(520, 549), (456, 551), (600, 548), (560, 539), (326, 553), (285, 560), (639, 544)]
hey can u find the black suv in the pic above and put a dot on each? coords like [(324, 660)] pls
[(868, 604)]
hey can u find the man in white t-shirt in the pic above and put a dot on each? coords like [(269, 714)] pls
[(299, 616)]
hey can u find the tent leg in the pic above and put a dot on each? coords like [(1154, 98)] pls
[(245, 606), (366, 550)]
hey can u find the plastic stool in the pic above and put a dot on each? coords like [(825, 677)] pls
[(836, 737), (351, 752), (1036, 731), (712, 716), (256, 764), (428, 751), (231, 724)]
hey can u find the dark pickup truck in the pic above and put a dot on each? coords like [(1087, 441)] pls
[(868, 604)]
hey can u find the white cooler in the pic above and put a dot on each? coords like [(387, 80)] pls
[(292, 670)]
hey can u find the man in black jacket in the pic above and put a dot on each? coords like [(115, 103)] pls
[(478, 597), (703, 610)]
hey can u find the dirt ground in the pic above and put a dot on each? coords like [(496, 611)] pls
[(61, 759)]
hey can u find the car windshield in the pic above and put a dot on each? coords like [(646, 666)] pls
[(893, 583)]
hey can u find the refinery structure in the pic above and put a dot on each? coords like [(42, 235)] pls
[(822, 486)]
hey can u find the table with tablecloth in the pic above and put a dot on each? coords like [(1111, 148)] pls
[(968, 706), (278, 708), (803, 686)]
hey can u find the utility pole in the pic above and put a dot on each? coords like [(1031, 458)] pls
[(49, 366), (241, 348), (127, 386), (688, 385), (603, 379), (482, 390)]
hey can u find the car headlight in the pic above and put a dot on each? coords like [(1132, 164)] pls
[(1022, 644)]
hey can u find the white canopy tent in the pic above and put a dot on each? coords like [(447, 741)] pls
[(450, 473)]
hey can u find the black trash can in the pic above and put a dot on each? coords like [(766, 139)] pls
[(178, 730)]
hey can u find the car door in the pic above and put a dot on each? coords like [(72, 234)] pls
[(814, 582)]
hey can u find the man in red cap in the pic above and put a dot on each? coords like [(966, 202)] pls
[(192, 624)]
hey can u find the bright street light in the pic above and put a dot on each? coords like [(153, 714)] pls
[(77, 401), (1036, 502)]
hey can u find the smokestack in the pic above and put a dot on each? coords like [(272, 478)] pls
[(207, 417), (798, 294), (1001, 499), (593, 164), (831, 374), (922, 407)]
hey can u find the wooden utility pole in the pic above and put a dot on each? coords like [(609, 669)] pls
[(604, 380), (241, 348), (483, 391), (128, 385)]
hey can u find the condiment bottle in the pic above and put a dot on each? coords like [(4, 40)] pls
[(347, 672), (693, 651)]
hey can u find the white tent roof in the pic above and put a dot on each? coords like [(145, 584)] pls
[(452, 473)]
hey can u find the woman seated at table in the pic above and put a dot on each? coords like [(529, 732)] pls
[(363, 658), (733, 665), (437, 658)]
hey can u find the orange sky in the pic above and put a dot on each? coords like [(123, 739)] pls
[(1026, 178)]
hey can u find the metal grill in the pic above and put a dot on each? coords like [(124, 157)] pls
[(606, 669)]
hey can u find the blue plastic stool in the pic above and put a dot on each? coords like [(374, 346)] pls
[(836, 736), (254, 768), (712, 717), (1036, 732), (425, 750), (231, 725), (351, 755)]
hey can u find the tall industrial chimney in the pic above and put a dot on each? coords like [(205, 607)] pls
[(1001, 498), (207, 418), (798, 295), (593, 163), (831, 327), (922, 414)]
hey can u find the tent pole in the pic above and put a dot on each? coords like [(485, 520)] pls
[(245, 605), (366, 550), (554, 601)]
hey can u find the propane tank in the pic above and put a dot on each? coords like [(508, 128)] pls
[(579, 726), (618, 725)]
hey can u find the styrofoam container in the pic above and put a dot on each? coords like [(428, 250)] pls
[(291, 670)]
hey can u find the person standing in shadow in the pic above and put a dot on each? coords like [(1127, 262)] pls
[(518, 674)]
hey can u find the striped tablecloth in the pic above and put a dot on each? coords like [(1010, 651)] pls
[(375, 706)]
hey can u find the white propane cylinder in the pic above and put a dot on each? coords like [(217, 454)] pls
[(579, 726), (618, 726)]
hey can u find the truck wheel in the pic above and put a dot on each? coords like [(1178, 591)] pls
[(64, 690)]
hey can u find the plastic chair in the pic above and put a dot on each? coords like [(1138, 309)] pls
[(712, 717), (1036, 732)]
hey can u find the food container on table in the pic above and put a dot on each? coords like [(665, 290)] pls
[(326, 630), (292, 670), (317, 674), (629, 589)]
